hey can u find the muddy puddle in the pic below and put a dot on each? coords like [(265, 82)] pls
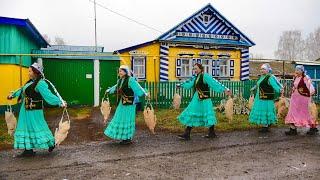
[(83, 129)]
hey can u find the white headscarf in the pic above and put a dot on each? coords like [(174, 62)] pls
[(38, 67), (300, 68), (126, 68), (267, 67)]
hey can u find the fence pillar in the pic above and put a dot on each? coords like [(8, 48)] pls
[(96, 82)]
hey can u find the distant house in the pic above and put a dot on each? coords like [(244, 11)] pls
[(312, 68), (286, 69), (279, 68), (205, 37)]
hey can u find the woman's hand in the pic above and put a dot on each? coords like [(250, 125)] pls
[(64, 104), (228, 92), (148, 95), (10, 97)]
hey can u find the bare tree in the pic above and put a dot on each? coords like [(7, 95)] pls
[(290, 46), (59, 41), (312, 50), (47, 38), (256, 56)]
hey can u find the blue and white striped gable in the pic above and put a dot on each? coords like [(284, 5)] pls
[(207, 26)]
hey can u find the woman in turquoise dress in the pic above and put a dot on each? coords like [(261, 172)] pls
[(263, 110), (32, 131), (200, 111), (122, 125)]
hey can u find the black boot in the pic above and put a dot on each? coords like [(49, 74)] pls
[(51, 148), (186, 134), (312, 131), (291, 132), (27, 153), (126, 142), (264, 130), (211, 133)]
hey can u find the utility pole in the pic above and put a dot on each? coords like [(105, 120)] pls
[(95, 26)]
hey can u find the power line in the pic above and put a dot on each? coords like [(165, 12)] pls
[(128, 18)]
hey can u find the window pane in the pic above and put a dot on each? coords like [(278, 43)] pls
[(138, 62), (223, 62), (139, 66)]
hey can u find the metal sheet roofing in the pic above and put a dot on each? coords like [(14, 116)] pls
[(28, 27)]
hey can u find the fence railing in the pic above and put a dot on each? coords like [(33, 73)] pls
[(162, 92)]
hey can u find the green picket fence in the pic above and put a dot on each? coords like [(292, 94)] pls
[(162, 92)]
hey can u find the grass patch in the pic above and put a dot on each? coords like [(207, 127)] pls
[(167, 121), (5, 138), (74, 113)]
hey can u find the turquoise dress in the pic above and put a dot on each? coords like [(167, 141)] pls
[(263, 111), (200, 112), (32, 131), (122, 125)]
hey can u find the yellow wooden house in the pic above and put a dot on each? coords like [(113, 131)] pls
[(205, 37)]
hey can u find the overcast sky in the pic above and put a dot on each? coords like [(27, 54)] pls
[(73, 20)]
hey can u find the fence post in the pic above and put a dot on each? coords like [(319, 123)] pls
[(20, 62)]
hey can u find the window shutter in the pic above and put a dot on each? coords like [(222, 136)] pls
[(217, 67), (178, 68), (213, 67), (231, 67), (145, 67), (132, 63), (194, 61)]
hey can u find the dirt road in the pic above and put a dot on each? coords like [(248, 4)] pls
[(234, 155)]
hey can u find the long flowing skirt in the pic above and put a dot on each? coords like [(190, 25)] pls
[(263, 112), (298, 113), (32, 130), (198, 113), (122, 125)]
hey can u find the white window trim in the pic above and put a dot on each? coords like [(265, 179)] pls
[(188, 74), (182, 66), (143, 76), (227, 74), (228, 60), (209, 65), (191, 62)]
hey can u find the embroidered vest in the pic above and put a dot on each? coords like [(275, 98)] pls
[(124, 93), (266, 91), (32, 99), (202, 88), (302, 88)]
